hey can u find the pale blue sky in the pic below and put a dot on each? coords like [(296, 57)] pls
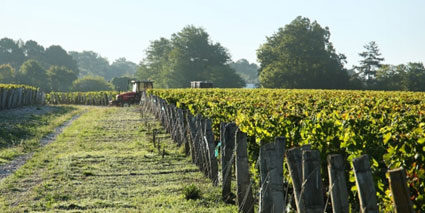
[(125, 28)]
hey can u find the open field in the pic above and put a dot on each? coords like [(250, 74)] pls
[(105, 161)]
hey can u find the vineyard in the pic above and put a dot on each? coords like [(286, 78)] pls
[(13, 95), (388, 126), (372, 133)]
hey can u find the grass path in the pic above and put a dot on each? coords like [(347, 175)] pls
[(104, 162), (10, 167), (22, 129)]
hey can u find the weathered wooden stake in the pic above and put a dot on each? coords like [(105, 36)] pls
[(10, 101), (337, 184), (191, 133), (153, 137), (163, 152), (227, 159), (3, 98), (186, 133), (312, 187), (400, 191), (365, 185), (271, 172), (211, 148), (201, 146), (244, 191), (293, 159)]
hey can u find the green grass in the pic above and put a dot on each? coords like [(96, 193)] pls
[(105, 162), (21, 129)]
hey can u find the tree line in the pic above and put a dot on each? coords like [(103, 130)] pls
[(300, 55), (55, 69)]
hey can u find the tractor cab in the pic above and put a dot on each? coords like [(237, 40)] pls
[(140, 86), (133, 96)]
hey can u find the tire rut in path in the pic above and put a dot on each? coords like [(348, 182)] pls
[(11, 167)]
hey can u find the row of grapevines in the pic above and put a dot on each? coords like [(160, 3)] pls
[(16, 86), (388, 126), (84, 98), (14, 95)]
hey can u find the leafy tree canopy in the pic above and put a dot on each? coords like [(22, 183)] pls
[(301, 56), (122, 67), (17, 52), (189, 55), (248, 71), (61, 78), (92, 83), (56, 55), (415, 76), (33, 74), (410, 76), (92, 63), (7, 74), (33, 50), (11, 53), (390, 77), (157, 64), (121, 83)]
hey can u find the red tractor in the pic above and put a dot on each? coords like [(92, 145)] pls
[(133, 97)]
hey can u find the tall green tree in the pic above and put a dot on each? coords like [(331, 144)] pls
[(189, 55), (61, 78), (57, 56), (390, 77), (248, 71), (11, 53), (416, 76), (92, 63), (370, 63), (300, 55), (33, 50), (91, 83), (157, 64), (121, 67), (32, 73), (121, 83), (7, 74)]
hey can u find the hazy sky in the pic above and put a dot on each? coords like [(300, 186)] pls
[(125, 28)]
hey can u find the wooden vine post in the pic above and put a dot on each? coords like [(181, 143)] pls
[(271, 173), (209, 136), (227, 157), (294, 162), (312, 188), (365, 185), (244, 192), (400, 191), (337, 184)]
